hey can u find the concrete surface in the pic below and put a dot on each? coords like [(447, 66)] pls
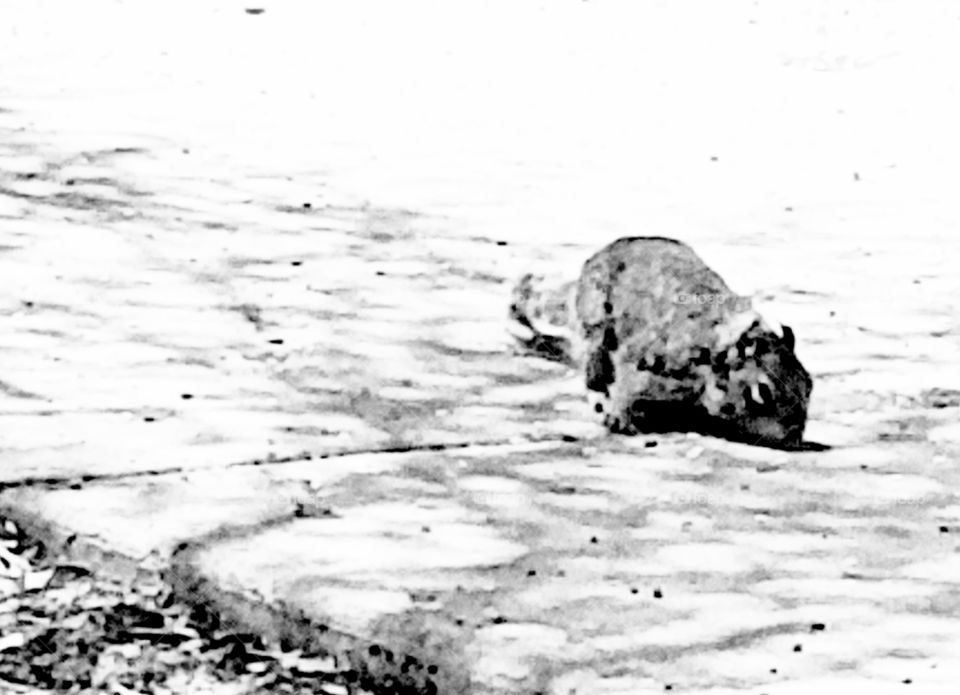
[(305, 403)]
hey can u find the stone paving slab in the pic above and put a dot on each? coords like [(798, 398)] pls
[(308, 407), (562, 571), (133, 332), (580, 567)]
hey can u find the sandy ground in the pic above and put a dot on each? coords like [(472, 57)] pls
[(363, 184)]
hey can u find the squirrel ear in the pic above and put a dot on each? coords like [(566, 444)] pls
[(788, 337)]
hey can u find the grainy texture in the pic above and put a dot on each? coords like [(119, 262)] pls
[(309, 226)]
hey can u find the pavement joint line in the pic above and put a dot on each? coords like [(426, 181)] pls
[(55, 483), (228, 532)]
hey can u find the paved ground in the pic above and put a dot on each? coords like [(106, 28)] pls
[(310, 411), (253, 324)]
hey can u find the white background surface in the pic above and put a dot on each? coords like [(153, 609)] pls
[(547, 118)]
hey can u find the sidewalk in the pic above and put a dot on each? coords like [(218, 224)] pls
[(313, 416)]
